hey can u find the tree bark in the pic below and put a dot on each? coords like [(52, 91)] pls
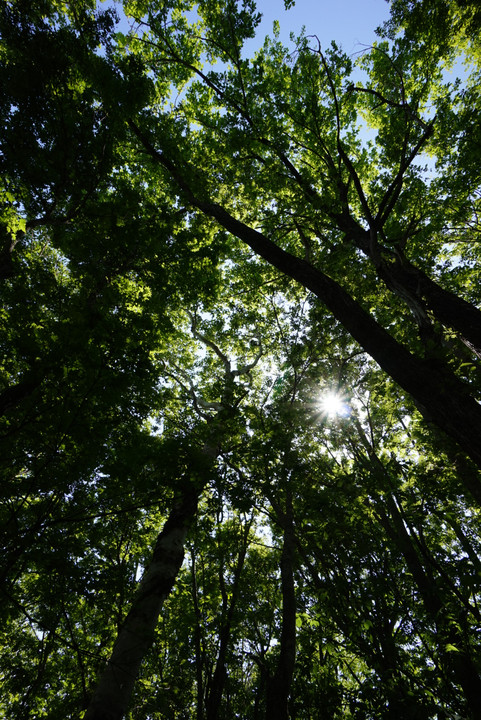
[(449, 309), (197, 642), (459, 662), (216, 686), (440, 396), (413, 285), (279, 685), (115, 685), (114, 688)]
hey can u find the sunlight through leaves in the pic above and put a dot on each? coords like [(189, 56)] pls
[(334, 404)]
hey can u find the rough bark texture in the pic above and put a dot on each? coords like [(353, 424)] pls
[(114, 688), (415, 288)]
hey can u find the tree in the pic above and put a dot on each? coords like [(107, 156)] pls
[(191, 255), (376, 218)]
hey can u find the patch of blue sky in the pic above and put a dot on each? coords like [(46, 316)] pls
[(350, 23)]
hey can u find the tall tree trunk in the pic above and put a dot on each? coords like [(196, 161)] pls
[(114, 688), (440, 396), (217, 683), (449, 309), (458, 663), (115, 685), (399, 274), (279, 685), (197, 642), (414, 286)]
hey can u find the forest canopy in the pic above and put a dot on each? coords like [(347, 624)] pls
[(240, 421)]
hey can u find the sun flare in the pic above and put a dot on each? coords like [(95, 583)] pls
[(333, 404)]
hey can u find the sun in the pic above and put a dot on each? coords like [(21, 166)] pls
[(333, 404)]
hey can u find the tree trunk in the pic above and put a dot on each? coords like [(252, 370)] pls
[(415, 288), (440, 396), (279, 685), (197, 642), (216, 688), (115, 685), (114, 688), (449, 309), (458, 662)]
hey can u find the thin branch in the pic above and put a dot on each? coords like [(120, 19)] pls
[(385, 101), (392, 193)]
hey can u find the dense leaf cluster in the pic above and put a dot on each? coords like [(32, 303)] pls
[(196, 248)]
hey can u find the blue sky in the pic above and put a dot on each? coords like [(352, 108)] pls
[(351, 23)]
